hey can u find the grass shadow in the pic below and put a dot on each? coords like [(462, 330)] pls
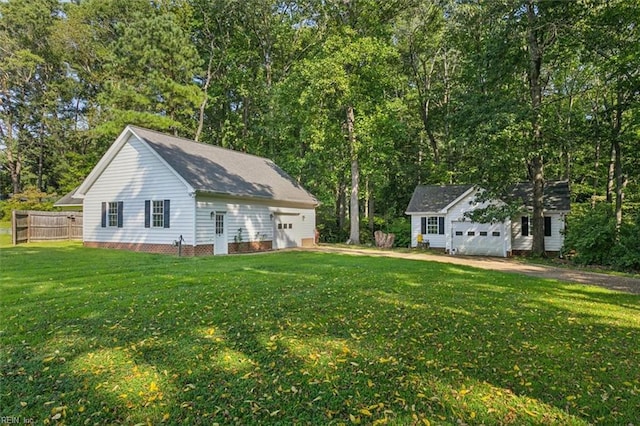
[(308, 338)]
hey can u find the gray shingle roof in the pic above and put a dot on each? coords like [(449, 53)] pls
[(556, 195), (212, 169), (69, 200), (433, 198)]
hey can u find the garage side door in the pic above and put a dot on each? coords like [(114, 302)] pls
[(479, 239), (285, 232)]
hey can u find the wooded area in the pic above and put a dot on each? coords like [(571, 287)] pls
[(359, 100)]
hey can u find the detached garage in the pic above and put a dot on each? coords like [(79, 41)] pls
[(152, 192), (438, 219)]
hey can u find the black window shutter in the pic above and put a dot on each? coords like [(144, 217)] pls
[(104, 215), (167, 213), (120, 218), (441, 225), (147, 213), (423, 225), (547, 226), (525, 226)]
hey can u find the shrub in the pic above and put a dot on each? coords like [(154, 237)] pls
[(591, 234), (30, 199), (626, 253), (401, 226)]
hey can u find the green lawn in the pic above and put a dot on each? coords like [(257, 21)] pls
[(92, 336)]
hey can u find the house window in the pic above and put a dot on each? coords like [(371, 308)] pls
[(157, 213), (547, 226), (112, 214), (219, 224), (525, 226), (432, 225)]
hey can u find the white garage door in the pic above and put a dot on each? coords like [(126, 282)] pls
[(481, 239)]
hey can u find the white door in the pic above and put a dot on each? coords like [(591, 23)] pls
[(220, 245), (285, 231), (481, 239)]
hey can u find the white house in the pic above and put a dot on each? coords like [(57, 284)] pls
[(438, 216), (151, 190)]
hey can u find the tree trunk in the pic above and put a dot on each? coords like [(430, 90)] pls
[(612, 172), (537, 218), (537, 162), (14, 157), (620, 180), (596, 166), (341, 211), (354, 207), (370, 206), (205, 93)]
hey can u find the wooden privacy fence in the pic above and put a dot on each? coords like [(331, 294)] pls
[(30, 226)]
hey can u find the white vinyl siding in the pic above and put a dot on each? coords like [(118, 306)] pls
[(252, 221), (136, 174), (435, 240), (552, 243)]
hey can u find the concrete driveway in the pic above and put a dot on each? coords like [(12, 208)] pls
[(613, 282)]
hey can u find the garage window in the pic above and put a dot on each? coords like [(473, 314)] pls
[(471, 233), (433, 225), (459, 233), (483, 233), (547, 226), (112, 214), (157, 214), (496, 233), (525, 226)]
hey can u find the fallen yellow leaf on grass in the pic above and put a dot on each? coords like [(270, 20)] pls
[(365, 412)]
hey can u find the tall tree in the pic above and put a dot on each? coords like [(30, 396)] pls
[(28, 72), (511, 79), (610, 40)]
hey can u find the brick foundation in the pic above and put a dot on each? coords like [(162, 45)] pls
[(250, 247), (201, 250), (528, 253)]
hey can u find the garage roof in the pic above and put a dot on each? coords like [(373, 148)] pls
[(556, 195), (435, 198)]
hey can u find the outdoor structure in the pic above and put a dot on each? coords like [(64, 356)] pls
[(29, 226), (438, 220), (154, 192)]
